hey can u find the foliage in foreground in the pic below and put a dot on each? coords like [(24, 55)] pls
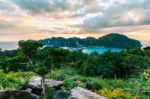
[(127, 88), (117, 93), (13, 80)]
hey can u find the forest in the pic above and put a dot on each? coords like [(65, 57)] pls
[(114, 75)]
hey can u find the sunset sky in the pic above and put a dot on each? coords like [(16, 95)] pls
[(38, 19)]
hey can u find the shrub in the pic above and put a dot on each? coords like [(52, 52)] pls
[(49, 92), (68, 84), (117, 93), (14, 80), (62, 73), (140, 84)]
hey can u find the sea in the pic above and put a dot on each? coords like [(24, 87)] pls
[(8, 45), (100, 50)]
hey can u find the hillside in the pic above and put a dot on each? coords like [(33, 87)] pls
[(118, 40), (110, 40)]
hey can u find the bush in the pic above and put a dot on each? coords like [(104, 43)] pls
[(117, 93), (68, 84), (49, 92), (14, 80), (117, 83), (140, 85), (62, 73)]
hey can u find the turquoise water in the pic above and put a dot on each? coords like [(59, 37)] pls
[(100, 50)]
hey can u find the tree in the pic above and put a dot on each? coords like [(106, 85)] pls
[(12, 63), (42, 60), (117, 65), (76, 59), (91, 65), (110, 64), (106, 65), (29, 48), (147, 51), (4, 63), (147, 48), (11, 60), (46, 60), (132, 64)]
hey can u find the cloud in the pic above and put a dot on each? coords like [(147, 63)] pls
[(127, 13), (92, 24), (33, 6), (73, 17), (113, 12), (5, 24), (62, 4), (5, 7), (44, 6), (76, 8)]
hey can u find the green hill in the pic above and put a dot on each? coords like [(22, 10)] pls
[(118, 40), (110, 40)]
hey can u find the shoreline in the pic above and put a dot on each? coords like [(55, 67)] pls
[(4, 45)]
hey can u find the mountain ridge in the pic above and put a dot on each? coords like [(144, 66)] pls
[(111, 40)]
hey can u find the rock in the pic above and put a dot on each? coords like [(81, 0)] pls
[(29, 90), (35, 82), (53, 83), (81, 93), (17, 94)]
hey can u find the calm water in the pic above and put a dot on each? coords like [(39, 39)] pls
[(100, 50), (13, 45), (8, 45)]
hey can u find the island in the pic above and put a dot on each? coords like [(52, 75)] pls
[(112, 40)]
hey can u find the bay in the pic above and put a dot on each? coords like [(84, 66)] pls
[(100, 50), (89, 50)]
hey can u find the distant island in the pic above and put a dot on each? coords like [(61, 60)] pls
[(113, 40)]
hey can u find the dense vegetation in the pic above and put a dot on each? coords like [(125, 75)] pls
[(110, 40), (123, 75)]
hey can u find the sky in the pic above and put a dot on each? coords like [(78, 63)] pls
[(39, 19)]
